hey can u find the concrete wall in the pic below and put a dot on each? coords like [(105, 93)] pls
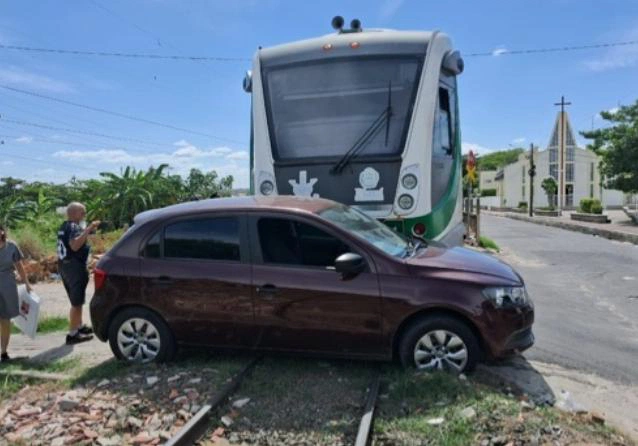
[(486, 179), (511, 187)]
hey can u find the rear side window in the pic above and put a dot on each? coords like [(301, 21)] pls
[(205, 238), (152, 249)]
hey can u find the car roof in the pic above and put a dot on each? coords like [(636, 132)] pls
[(279, 202)]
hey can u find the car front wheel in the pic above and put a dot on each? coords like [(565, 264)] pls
[(439, 343), (139, 335)]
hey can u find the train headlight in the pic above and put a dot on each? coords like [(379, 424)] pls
[(409, 181), (406, 201), (266, 187)]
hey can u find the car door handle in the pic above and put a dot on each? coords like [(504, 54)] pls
[(267, 290)]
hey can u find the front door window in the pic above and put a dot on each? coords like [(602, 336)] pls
[(301, 301)]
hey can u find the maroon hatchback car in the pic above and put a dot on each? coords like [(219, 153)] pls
[(303, 275)]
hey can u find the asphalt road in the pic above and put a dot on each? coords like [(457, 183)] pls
[(585, 289)]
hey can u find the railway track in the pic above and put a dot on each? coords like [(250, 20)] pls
[(198, 426)]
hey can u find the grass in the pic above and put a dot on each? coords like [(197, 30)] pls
[(10, 385), (58, 366), (48, 324), (412, 401), (488, 243)]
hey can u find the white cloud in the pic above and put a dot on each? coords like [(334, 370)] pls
[(221, 150), (18, 77), (241, 155), (476, 148), (389, 8), (181, 161), (613, 110), (499, 51), (520, 140), (24, 139), (624, 56), (7, 163)]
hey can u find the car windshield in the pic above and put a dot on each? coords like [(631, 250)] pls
[(367, 228), (321, 108)]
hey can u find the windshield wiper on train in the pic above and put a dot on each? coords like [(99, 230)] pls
[(367, 136)]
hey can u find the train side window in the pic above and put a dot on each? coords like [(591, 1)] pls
[(445, 122), (443, 142)]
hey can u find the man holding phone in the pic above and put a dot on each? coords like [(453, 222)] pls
[(73, 254)]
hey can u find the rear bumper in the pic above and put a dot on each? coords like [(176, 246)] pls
[(98, 311)]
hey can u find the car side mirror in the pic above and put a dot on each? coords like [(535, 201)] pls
[(349, 264)]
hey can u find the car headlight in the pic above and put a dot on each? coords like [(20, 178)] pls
[(507, 296), (266, 188)]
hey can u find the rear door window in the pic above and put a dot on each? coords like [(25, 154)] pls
[(203, 238), (290, 242)]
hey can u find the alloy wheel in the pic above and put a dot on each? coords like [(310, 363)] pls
[(440, 350), (138, 340)]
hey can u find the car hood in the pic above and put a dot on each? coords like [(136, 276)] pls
[(464, 260)]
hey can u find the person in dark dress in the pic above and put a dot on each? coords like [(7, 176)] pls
[(73, 254), (10, 260)]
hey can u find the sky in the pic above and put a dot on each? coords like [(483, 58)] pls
[(505, 99)]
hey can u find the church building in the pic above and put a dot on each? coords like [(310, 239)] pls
[(574, 169)]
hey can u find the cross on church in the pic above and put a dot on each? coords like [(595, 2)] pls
[(561, 155), (562, 104)]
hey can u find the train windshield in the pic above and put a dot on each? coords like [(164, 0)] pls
[(324, 108)]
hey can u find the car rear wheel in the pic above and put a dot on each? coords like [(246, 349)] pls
[(139, 335), (439, 343)]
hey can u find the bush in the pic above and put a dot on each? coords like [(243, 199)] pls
[(102, 242), (488, 192), (30, 243), (585, 205), (596, 207), (488, 243), (522, 204), (591, 206)]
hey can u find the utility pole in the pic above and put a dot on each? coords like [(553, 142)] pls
[(532, 173), (561, 174)]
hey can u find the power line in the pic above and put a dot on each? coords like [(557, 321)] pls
[(82, 132), (242, 59), (120, 115), (504, 52), (127, 20), (66, 143), (120, 54)]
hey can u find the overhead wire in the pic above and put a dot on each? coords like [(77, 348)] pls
[(124, 55), (498, 52), (120, 115), (504, 51)]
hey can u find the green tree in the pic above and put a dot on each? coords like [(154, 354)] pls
[(617, 146), (550, 187), (14, 210), (494, 160), (199, 185)]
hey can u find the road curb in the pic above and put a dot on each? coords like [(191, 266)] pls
[(601, 232)]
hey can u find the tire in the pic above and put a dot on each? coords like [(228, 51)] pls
[(138, 335), (441, 341)]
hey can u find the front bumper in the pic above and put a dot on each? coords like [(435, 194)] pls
[(507, 331)]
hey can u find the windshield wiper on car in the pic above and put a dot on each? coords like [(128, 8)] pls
[(367, 135)]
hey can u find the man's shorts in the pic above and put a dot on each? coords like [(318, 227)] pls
[(75, 278)]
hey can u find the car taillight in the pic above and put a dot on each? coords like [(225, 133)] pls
[(99, 276)]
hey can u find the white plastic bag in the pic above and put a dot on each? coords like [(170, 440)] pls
[(29, 304)]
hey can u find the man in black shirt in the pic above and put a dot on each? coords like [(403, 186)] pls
[(73, 254)]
